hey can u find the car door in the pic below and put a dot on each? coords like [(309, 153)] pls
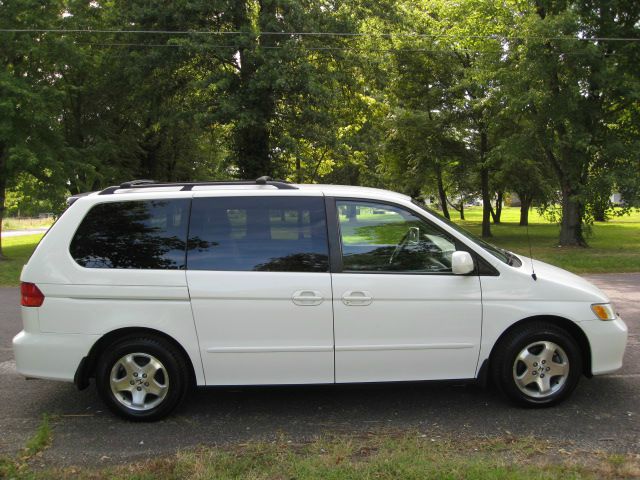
[(258, 277), (399, 311)]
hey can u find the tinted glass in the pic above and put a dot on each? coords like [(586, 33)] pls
[(140, 234), (378, 237), (500, 253), (273, 234)]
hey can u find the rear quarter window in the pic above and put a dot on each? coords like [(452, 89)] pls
[(147, 234)]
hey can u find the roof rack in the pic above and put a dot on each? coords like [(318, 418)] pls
[(187, 186), (136, 183)]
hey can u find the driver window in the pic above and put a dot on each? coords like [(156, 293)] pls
[(383, 238)]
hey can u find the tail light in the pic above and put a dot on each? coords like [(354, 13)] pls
[(31, 296)]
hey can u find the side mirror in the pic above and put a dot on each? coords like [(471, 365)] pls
[(462, 263)]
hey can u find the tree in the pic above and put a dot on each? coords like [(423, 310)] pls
[(575, 92), (131, 106), (523, 169), (428, 97), (524, 173), (478, 48), (426, 140), (272, 82), (28, 131), (480, 52)]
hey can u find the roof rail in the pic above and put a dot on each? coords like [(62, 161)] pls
[(187, 186), (136, 183)]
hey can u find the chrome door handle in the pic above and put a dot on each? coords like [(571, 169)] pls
[(306, 298), (357, 298)]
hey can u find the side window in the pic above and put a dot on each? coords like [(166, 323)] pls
[(383, 238), (272, 234), (148, 234)]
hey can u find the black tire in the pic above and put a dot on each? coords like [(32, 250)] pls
[(173, 378), (505, 370)]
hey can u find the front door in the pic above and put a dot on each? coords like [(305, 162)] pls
[(258, 277), (399, 311)]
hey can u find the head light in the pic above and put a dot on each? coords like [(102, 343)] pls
[(604, 311)]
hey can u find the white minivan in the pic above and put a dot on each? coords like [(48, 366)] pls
[(151, 288)]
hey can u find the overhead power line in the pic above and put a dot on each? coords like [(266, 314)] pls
[(322, 34), (314, 48), (280, 47)]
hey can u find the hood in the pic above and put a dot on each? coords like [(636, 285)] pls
[(569, 285)]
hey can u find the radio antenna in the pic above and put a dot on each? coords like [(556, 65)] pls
[(533, 272)]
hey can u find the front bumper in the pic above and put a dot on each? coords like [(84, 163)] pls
[(608, 340)]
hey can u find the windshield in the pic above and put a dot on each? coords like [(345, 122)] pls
[(500, 253)]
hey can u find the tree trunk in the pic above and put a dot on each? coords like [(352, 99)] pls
[(525, 204), (524, 215), (495, 214), (484, 187), (298, 170), (3, 185), (486, 203), (2, 196), (251, 136), (599, 215), (351, 212), (462, 210), (498, 214), (600, 208), (252, 149), (571, 226), (442, 193)]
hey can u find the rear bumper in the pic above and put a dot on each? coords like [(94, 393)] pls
[(608, 341), (50, 355)]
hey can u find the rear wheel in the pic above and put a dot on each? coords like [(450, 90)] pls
[(537, 365), (142, 378)]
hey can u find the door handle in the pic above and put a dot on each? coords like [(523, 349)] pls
[(306, 298), (354, 298)]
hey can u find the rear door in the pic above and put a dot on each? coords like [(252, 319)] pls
[(258, 276)]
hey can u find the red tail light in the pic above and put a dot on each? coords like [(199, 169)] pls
[(31, 296)]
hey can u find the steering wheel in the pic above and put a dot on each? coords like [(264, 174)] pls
[(399, 247)]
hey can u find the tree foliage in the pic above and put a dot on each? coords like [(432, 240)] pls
[(450, 101)]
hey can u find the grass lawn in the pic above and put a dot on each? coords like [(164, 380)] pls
[(25, 223), (385, 456), (17, 250), (614, 246)]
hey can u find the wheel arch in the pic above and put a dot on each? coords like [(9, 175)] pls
[(567, 325), (87, 367)]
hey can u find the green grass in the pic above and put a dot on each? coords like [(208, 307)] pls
[(18, 467), (17, 251), (614, 246), (25, 223), (384, 456), (41, 439)]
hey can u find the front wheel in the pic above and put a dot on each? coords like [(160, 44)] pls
[(142, 378), (537, 365)]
